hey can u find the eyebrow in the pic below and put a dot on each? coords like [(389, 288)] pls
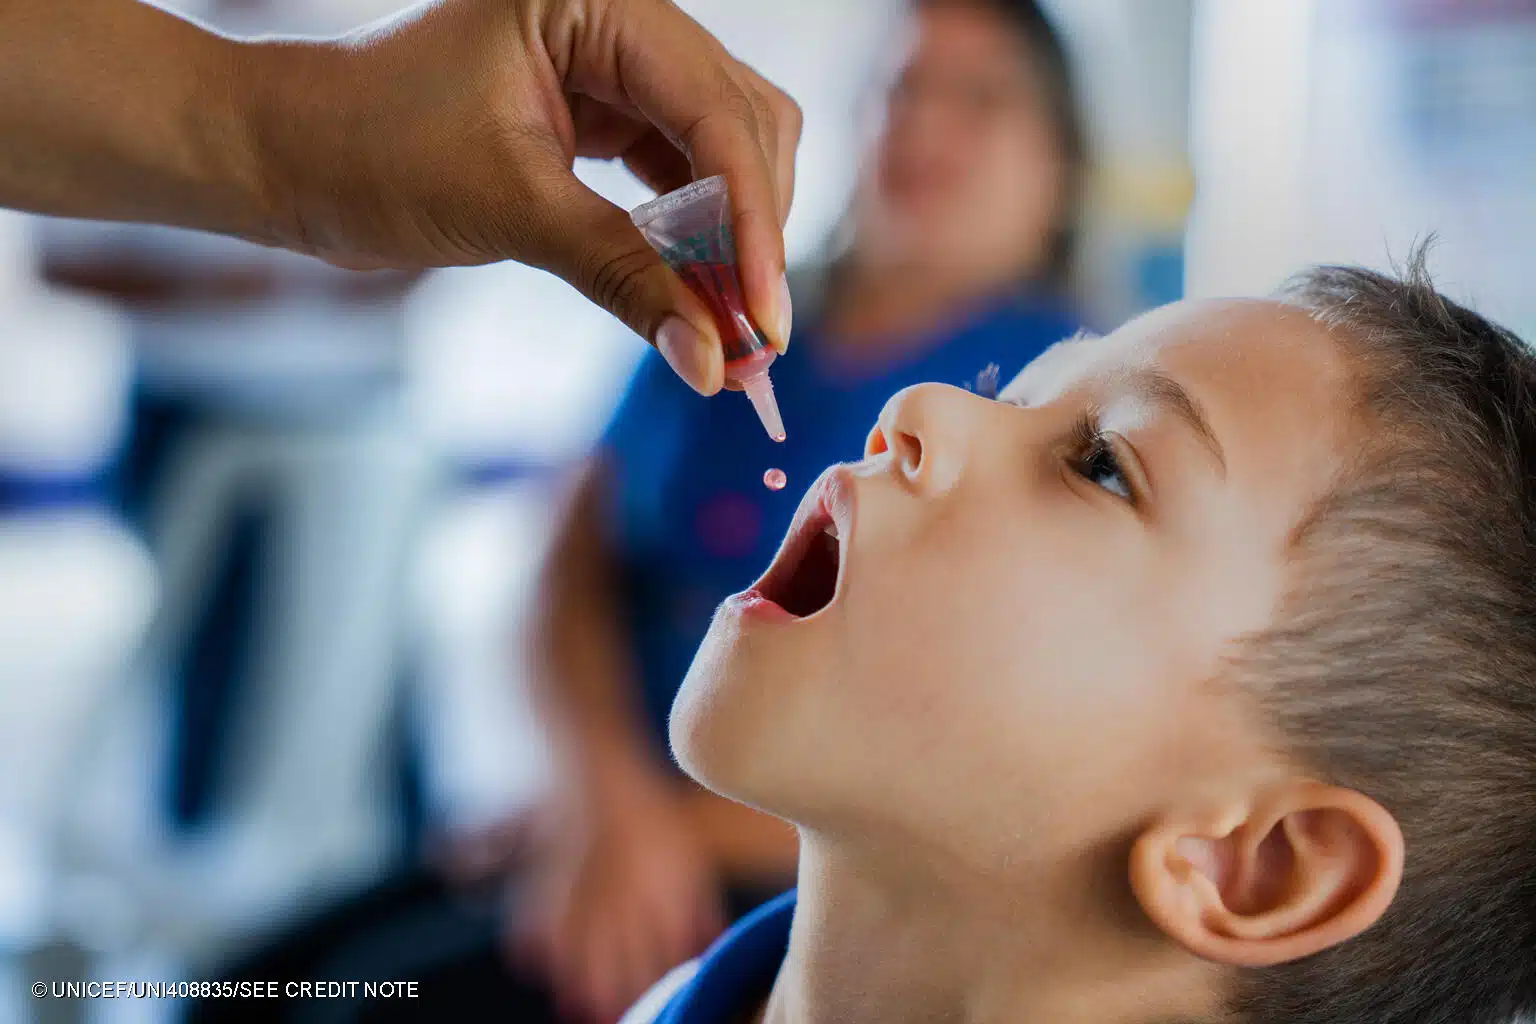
[(1160, 389)]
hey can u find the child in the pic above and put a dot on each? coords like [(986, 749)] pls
[(1191, 680)]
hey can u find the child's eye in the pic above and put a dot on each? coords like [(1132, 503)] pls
[(1098, 464)]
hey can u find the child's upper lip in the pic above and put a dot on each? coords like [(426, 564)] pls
[(829, 502), (835, 495)]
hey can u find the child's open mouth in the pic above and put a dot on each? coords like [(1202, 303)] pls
[(803, 579)]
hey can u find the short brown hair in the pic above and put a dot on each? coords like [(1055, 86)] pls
[(1404, 665)]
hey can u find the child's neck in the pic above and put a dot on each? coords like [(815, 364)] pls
[(875, 941)]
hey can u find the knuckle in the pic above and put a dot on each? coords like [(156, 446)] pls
[(788, 112), (767, 120), (732, 106), (616, 281), (793, 116), (737, 103)]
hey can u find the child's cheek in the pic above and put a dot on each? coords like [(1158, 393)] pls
[(1228, 588)]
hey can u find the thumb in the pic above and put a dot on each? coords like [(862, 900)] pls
[(592, 244)]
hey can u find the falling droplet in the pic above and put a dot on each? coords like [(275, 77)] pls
[(775, 479)]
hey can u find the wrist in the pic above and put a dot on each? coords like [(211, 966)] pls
[(287, 142), (238, 81)]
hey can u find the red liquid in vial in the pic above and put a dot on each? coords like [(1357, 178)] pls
[(720, 288), (747, 355), (747, 367)]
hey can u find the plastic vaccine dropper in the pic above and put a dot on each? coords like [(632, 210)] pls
[(691, 228)]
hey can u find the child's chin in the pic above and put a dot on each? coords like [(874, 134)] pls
[(719, 725), (701, 725)]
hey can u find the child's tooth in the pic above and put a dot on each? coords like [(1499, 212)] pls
[(830, 530)]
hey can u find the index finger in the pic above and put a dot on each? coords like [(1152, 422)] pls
[(685, 83)]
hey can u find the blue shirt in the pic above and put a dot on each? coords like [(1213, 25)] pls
[(738, 971), (689, 519)]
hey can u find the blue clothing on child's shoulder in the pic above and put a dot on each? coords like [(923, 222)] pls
[(733, 978), (689, 520)]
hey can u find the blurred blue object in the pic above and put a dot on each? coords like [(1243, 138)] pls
[(29, 491), (1160, 272)]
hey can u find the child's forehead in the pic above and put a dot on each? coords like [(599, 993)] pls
[(1272, 384), (1193, 333), (1057, 369)]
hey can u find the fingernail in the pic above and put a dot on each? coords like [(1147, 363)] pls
[(786, 314), (684, 350)]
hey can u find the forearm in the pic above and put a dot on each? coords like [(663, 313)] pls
[(117, 110), (583, 677)]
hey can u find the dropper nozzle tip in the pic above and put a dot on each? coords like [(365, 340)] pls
[(760, 390)]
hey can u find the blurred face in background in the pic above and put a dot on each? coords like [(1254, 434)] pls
[(967, 176)]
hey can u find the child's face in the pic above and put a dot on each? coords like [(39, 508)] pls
[(1019, 658)]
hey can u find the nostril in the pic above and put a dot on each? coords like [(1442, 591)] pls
[(875, 444), (909, 451), (906, 448)]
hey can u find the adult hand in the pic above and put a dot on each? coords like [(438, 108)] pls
[(447, 137), (619, 892), (443, 137)]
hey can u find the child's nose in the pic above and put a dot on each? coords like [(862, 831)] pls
[(924, 428)]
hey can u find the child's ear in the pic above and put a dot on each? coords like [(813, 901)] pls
[(1274, 878)]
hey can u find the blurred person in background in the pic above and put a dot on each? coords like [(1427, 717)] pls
[(278, 487), (954, 255)]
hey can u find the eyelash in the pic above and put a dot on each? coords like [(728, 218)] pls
[(1090, 445), (1093, 456)]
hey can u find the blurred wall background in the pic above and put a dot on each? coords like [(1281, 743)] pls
[(1300, 131), (1343, 131)]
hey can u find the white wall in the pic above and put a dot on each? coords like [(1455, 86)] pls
[(1132, 63), (1346, 131), (1249, 123)]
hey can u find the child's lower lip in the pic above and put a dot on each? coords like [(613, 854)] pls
[(752, 604)]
